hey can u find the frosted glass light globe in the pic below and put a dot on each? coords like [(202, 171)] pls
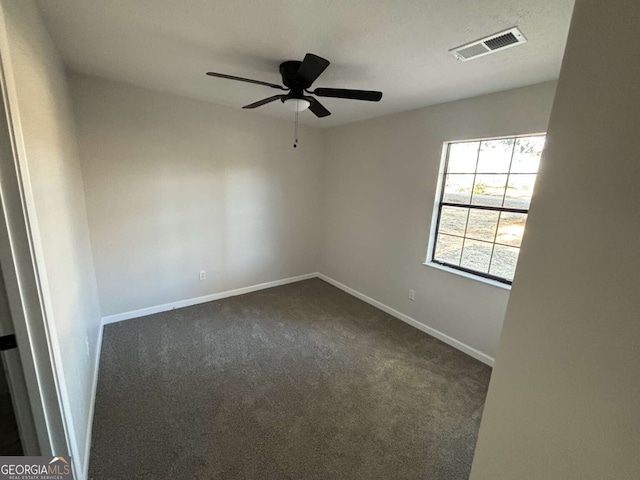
[(297, 104)]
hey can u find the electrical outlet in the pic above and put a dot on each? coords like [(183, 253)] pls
[(412, 295), (203, 275)]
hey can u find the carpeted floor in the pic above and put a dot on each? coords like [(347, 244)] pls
[(298, 382)]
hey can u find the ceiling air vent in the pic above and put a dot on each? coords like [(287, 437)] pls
[(485, 46)]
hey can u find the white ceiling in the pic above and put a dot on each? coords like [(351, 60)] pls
[(397, 46)]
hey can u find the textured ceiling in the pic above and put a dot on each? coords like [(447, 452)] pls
[(397, 46)]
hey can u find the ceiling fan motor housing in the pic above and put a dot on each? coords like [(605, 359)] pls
[(288, 70)]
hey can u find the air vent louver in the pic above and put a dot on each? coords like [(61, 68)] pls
[(473, 50), (493, 43), (501, 41)]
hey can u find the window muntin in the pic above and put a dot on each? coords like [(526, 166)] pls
[(484, 203)]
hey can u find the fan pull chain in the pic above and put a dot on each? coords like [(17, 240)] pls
[(295, 142)]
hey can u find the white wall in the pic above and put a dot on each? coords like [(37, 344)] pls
[(380, 186), (564, 399), (175, 186), (55, 203)]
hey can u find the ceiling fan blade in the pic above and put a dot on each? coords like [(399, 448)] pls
[(317, 108), (368, 95), (264, 102), (247, 80), (310, 69)]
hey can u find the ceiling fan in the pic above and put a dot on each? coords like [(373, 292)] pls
[(297, 78)]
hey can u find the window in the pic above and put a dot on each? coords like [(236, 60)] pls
[(483, 205)]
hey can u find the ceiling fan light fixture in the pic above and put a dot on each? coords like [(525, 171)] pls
[(297, 104)]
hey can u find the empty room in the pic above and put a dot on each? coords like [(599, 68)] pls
[(319, 239)]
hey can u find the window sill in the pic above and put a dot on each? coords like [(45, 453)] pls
[(470, 276)]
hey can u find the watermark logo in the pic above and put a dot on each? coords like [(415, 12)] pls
[(35, 468)]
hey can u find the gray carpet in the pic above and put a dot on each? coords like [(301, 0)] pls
[(296, 382)]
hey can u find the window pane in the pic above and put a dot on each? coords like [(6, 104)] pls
[(511, 228), (495, 156), (476, 255), (519, 191), (503, 263), (491, 176), (482, 225), (463, 157), (457, 188), (489, 190), (526, 155), (448, 249), (453, 220)]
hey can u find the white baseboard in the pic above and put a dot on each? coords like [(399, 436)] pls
[(207, 298), (463, 347), (94, 387)]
